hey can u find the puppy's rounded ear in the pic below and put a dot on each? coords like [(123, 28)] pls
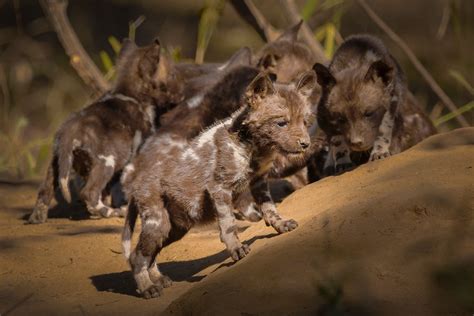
[(324, 76), (272, 76), (241, 57), (380, 69), (306, 83), (260, 87), (291, 34)]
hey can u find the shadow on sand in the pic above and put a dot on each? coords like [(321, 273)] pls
[(123, 282)]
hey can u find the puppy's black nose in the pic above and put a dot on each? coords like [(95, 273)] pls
[(304, 144)]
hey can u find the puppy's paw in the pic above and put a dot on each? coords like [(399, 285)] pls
[(285, 225), (153, 291), (165, 281), (37, 217), (239, 252), (378, 155)]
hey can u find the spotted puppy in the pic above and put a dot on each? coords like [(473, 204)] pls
[(99, 140), (173, 190), (363, 107)]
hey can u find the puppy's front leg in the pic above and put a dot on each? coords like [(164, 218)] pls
[(383, 141), (226, 220), (261, 194)]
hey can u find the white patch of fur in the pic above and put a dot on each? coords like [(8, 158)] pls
[(129, 168), (75, 143), (250, 210), (124, 98), (100, 204), (371, 56), (193, 210), (150, 112), (223, 66), (109, 160), (126, 246), (137, 140), (195, 101), (153, 222), (190, 154), (207, 136), (64, 182)]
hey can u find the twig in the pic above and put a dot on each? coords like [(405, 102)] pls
[(289, 6), (80, 60), (414, 60), (250, 13)]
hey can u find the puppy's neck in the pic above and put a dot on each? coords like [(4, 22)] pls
[(261, 157)]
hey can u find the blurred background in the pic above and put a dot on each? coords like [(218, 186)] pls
[(39, 88)]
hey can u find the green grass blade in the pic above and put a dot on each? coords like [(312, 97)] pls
[(133, 26), (115, 44), (106, 61), (462, 80), (443, 119), (207, 24), (330, 40), (309, 9)]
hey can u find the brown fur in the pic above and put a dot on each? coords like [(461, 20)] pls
[(364, 102), (174, 188), (99, 140)]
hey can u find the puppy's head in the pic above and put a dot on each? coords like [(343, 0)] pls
[(147, 73)]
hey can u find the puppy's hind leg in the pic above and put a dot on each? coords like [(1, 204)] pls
[(45, 194), (155, 230), (100, 174)]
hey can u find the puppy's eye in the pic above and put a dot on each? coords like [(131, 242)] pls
[(341, 120), (369, 113), (282, 123), (163, 87)]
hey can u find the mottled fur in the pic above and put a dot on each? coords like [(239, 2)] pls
[(175, 188), (99, 140), (364, 105)]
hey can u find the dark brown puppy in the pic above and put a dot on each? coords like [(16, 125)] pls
[(175, 188), (99, 140), (364, 105)]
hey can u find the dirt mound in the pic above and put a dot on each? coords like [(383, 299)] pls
[(394, 237), (391, 237)]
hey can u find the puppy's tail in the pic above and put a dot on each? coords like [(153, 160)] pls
[(127, 233), (65, 148)]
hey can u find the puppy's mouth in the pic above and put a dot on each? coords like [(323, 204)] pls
[(292, 153)]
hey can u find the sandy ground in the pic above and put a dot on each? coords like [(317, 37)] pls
[(392, 237)]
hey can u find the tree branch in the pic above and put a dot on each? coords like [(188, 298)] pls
[(250, 13), (78, 57), (290, 7), (414, 60)]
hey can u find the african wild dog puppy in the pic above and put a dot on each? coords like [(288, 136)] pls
[(174, 189), (99, 140), (364, 105)]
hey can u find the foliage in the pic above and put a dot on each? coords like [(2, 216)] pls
[(445, 118), (25, 159), (207, 24), (328, 33)]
